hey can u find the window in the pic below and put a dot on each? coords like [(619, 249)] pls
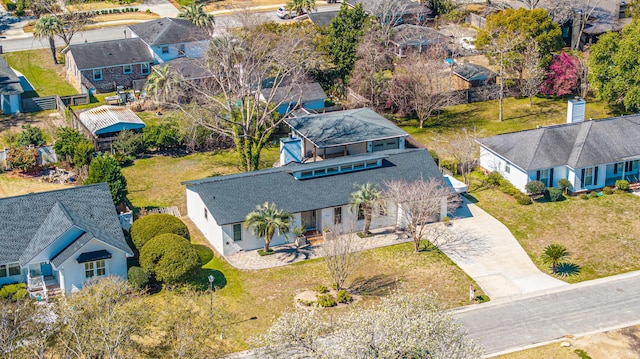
[(360, 212), (206, 214), (382, 210), (97, 74), (144, 69), (95, 269), (306, 174), (617, 167), (9, 270), (507, 168), (588, 177), (370, 164), (127, 69), (181, 49), (165, 49), (337, 215), (237, 232), (358, 166), (331, 170), (544, 177)]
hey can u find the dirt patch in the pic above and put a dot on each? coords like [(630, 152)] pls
[(11, 126)]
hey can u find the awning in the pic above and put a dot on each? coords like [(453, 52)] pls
[(93, 256)]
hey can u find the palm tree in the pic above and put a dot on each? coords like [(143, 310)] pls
[(301, 6), (196, 14), (160, 83), (364, 200), (266, 220), (554, 254), (48, 26)]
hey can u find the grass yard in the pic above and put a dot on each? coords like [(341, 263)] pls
[(155, 181), (268, 293), (518, 116), (602, 234), (37, 66), (13, 185)]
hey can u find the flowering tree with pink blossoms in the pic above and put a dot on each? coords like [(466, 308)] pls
[(563, 75)]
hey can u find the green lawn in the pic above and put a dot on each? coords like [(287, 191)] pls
[(38, 67), (602, 234)]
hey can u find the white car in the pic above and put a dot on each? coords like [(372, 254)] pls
[(283, 13), (468, 43)]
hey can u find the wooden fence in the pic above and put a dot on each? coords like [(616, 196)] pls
[(54, 102)]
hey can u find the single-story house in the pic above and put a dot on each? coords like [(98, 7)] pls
[(10, 89), (55, 241), (103, 123), (590, 154), (339, 133), (105, 65), (168, 38), (309, 96), (317, 193), (407, 37), (470, 75)]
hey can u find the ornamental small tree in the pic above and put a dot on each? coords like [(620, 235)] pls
[(171, 258), (554, 254), (563, 75), (154, 225), (30, 136), (105, 168), (535, 187), (564, 185)]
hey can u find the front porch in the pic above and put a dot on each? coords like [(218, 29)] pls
[(42, 281)]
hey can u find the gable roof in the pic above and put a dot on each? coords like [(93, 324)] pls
[(344, 127), (291, 93), (278, 185), (576, 145), (29, 223), (188, 68), (473, 72), (108, 119), (110, 53), (414, 35), (166, 31), (9, 81)]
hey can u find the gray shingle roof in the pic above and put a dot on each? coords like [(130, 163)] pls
[(110, 53), (576, 145), (322, 18), (472, 72), (291, 93), (221, 194), (9, 81), (414, 35), (344, 127), (166, 31), (31, 222), (188, 68)]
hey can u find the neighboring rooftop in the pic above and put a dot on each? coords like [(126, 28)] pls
[(576, 145), (109, 119), (220, 194), (344, 127), (414, 35), (472, 72), (166, 31), (30, 223), (9, 81), (187, 68), (110, 53), (322, 18), (297, 93)]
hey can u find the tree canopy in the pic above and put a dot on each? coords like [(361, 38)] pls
[(171, 258), (267, 220), (154, 225), (345, 32), (105, 168)]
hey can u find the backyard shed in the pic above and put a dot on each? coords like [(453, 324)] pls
[(103, 123)]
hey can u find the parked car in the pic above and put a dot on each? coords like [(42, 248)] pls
[(283, 13)]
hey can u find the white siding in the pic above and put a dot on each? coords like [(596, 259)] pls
[(492, 162), (207, 225), (72, 275), (191, 49)]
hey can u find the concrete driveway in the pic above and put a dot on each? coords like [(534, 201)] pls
[(487, 251)]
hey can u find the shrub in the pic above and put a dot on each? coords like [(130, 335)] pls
[(505, 186), (593, 194), (320, 289), (307, 303), (105, 168), (494, 178), (138, 278), (622, 185), (30, 136), (148, 11), (153, 225), (553, 194), (584, 196), (535, 187), (13, 291), (262, 253), (171, 258), (564, 184), (343, 296), (607, 190), (22, 158), (523, 199), (129, 143), (446, 221), (326, 301)]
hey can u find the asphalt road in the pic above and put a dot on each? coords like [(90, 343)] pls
[(118, 32)]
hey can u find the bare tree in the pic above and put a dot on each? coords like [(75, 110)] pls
[(250, 74), (388, 13), (583, 10), (531, 4), (462, 147), (419, 203), (25, 329), (72, 21), (420, 84), (534, 73), (341, 254)]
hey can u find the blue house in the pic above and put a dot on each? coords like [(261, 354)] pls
[(310, 97)]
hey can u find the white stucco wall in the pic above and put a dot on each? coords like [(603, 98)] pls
[(490, 161), (73, 274), (207, 225)]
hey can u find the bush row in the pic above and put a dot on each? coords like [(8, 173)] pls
[(495, 179)]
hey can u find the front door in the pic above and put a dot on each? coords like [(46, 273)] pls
[(46, 269), (309, 220)]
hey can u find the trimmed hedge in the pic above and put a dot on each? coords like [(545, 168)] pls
[(171, 258), (622, 185), (535, 187), (138, 278), (553, 194), (153, 225)]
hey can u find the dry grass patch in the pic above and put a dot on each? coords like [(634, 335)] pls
[(12, 184), (602, 234), (11, 126)]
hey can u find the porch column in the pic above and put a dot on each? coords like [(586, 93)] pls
[(443, 208)]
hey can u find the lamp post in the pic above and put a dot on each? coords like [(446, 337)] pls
[(211, 289)]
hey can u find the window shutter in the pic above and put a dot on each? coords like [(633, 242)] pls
[(537, 175), (595, 176), (615, 168), (551, 178), (582, 177)]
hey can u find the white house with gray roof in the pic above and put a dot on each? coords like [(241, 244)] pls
[(167, 38), (55, 241), (590, 154), (317, 193)]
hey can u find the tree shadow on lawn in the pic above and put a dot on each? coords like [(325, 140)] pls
[(377, 285), (568, 269), (200, 281)]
